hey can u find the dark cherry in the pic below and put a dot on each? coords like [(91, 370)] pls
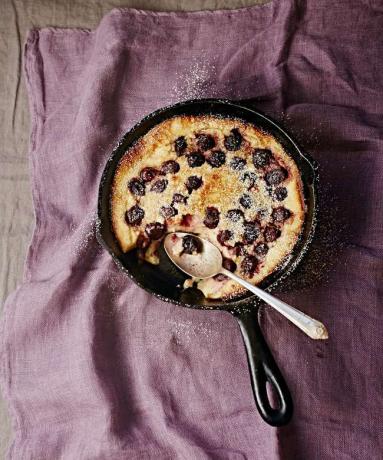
[(239, 249), (223, 236), (280, 214), (159, 186), (205, 141), (271, 233), (280, 193), (191, 245), (211, 217), (168, 211), (180, 145), (134, 215), (170, 167), (249, 265), (216, 159), (195, 159), (193, 183), (137, 186), (220, 277), (179, 198), (261, 249), (276, 176), (229, 264), (148, 174), (234, 140), (186, 220), (246, 201), (262, 157), (237, 163), (249, 178), (155, 230), (235, 215), (252, 231)]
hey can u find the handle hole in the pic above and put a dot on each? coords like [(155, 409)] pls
[(272, 396)]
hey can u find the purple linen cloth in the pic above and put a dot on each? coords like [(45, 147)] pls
[(95, 368)]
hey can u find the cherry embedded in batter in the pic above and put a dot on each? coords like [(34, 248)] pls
[(280, 214), (193, 183), (155, 230), (280, 193), (220, 277), (252, 231), (276, 176), (170, 167), (137, 186), (262, 213), (159, 186), (229, 264), (205, 141), (134, 215), (271, 233), (148, 174), (261, 249), (262, 157), (186, 220), (233, 141), (179, 198), (237, 163), (246, 201), (211, 217), (216, 159), (168, 211), (195, 159), (239, 249), (223, 236), (180, 145), (191, 245), (249, 178), (235, 215), (249, 265)]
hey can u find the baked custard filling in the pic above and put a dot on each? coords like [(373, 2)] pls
[(220, 178)]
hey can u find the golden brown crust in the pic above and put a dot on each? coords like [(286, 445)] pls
[(222, 187)]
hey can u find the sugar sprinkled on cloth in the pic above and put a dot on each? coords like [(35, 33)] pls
[(85, 233), (196, 81)]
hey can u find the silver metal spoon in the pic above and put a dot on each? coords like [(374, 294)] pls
[(208, 263)]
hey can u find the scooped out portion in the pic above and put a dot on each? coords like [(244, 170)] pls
[(220, 178)]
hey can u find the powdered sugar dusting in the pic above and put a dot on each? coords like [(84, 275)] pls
[(116, 283), (84, 234), (189, 331), (196, 82)]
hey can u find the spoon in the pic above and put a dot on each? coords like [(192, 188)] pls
[(208, 262)]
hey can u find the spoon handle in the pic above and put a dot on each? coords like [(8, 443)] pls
[(310, 326)]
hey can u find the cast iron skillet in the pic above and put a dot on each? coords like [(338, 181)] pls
[(163, 280)]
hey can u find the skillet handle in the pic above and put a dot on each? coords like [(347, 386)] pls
[(264, 369)]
